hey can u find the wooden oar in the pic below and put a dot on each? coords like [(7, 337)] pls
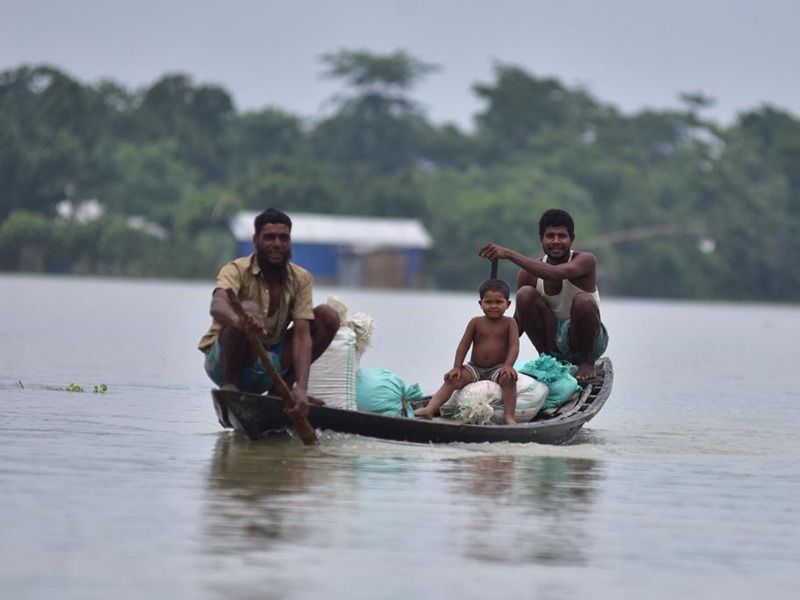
[(301, 425), (494, 269)]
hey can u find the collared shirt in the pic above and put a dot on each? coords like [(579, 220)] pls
[(243, 276)]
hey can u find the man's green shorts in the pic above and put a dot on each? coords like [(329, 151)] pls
[(565, 351), (253, 379)]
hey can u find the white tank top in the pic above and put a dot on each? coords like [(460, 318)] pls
[(560, 303)]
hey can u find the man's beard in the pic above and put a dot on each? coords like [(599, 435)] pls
[(281, 269), (558, 259)]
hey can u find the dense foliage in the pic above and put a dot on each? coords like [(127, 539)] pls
[(672, 203)]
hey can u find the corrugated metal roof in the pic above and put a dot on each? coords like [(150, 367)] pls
[(358, 232)]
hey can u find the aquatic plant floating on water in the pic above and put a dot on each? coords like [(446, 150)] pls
[(98, 389)]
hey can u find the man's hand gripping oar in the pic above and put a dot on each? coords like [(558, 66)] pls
[(301, 425)]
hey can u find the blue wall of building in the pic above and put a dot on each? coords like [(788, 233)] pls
[(320, 259), (413, 263), (244, 248), (323, 260)]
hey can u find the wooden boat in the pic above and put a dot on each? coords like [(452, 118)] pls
[(258, 416)]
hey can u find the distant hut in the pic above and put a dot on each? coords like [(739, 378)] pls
[(350, 251)]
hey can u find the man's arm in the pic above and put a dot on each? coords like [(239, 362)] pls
[(229, 277), (301, 364), (301, 352), (581, 265), (222, 312), (221, 309)]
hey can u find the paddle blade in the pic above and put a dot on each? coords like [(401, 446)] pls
[(306, 433)]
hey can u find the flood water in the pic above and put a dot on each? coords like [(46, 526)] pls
[(685, 485)]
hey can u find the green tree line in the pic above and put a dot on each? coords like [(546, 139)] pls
[(672, 203)]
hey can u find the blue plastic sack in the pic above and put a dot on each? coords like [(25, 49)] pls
[(555, 374), (381, 391)]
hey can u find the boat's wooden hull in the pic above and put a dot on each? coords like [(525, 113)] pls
[(256, 416)]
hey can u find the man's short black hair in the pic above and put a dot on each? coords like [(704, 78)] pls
[(555, 217), (494, 285), (272, 215)]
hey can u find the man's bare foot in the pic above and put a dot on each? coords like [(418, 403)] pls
[(585, 372), (423, 413), (509, 420), (229, 387)]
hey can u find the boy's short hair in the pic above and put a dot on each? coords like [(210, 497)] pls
[(555, 217), (494, 285), (272, 215)]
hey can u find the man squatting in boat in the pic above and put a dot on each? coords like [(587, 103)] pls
[(558, 304), (495, 346), (275, 293)]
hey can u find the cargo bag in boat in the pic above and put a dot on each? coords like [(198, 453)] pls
[(555, 374), (332, 378), (381, 391), (481, 402)]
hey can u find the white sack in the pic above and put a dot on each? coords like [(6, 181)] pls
[(332, 378), (482, 401)]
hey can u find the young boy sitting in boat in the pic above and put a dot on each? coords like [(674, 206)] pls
[(495, 345)]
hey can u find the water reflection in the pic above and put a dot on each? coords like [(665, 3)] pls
[(264, 493), (249, 486), (527, 509), (362, 497)]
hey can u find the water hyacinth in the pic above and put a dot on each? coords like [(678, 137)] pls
[(74, 387)]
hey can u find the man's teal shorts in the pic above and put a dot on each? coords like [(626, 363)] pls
[(253, 379), (565, 352)]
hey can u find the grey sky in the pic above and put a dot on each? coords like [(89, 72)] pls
[(631, 53)]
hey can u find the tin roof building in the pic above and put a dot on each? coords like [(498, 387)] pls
[(350, 251)]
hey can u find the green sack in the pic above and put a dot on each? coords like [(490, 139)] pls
[(381, 391), (555, 374)]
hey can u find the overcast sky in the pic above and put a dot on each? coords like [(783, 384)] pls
[(631, 53)]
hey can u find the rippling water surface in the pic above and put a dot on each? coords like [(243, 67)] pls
[(686, 484)]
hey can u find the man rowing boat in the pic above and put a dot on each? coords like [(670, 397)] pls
[(276, 297)]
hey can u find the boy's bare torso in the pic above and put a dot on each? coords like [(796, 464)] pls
[(490, 341)]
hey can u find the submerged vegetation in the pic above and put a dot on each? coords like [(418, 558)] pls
[(97, 178)]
